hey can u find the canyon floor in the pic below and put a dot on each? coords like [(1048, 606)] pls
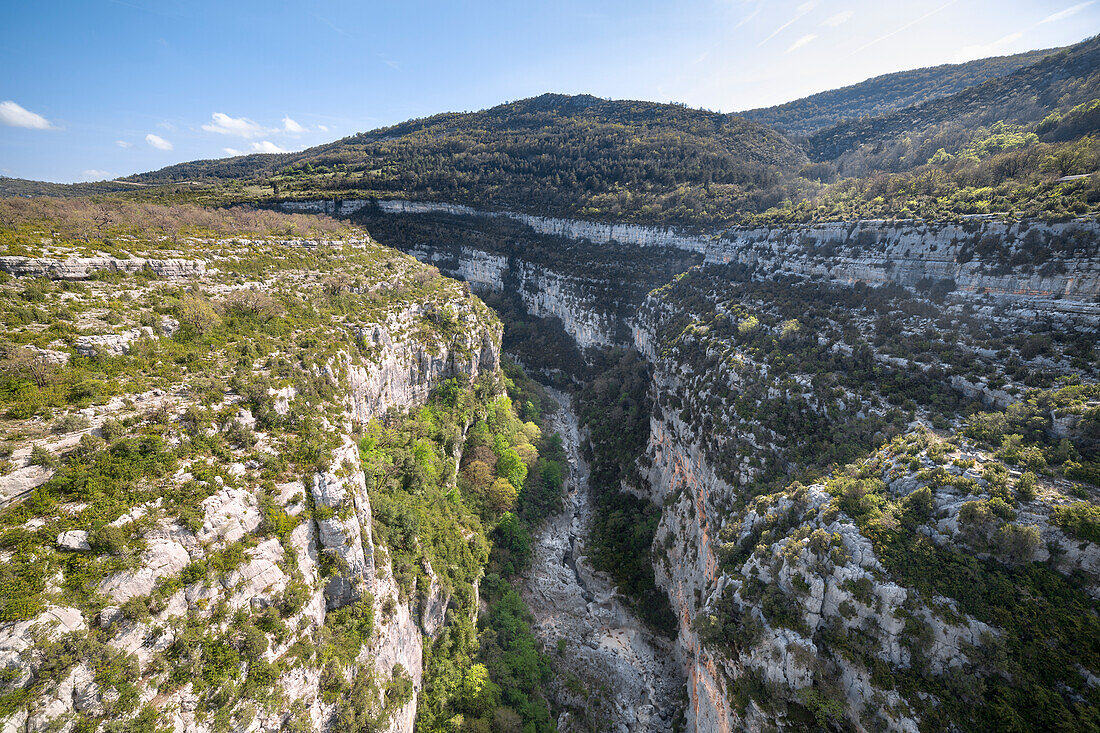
[(614, 673)]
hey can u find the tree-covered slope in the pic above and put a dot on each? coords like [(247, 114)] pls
[(1063, 79), (1002, 146), (554, 153), (887, 93)]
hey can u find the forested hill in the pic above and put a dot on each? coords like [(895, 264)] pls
[(1024, 144), (887, 93), (1063, 79), (565, 154)]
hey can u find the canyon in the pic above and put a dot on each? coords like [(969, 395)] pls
[(695, 471), (811, 401)]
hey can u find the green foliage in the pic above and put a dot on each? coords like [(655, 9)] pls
[(512, 468), (1049, 624), (349, 628), (1081, 519), (614, 409)]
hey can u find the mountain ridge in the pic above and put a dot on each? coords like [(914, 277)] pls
[(798, 117)]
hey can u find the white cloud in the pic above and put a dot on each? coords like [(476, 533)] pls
[(96, 175), (158, 142), (322, 128), (13, 115), (798, 13), (839, 19), (166, 126), (266, 146), (123, 144), (1063, 14), (291, 126), (234, 152), (802, 42), (223, 124)]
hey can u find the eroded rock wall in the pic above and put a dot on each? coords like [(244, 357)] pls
[(1044, 267)]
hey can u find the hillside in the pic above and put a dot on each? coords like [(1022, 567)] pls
[(572, 155), (1061, 80), (23, 187), (1002, 146), (887, 93)]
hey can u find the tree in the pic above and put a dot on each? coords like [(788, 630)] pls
[(478, 474), (480, 695), (502, 495), (512, 467)]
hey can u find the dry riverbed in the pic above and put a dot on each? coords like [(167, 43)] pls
[(613, 673)]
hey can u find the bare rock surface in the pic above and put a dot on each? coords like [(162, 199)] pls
[(629, 676)]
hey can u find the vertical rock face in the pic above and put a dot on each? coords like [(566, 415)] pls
[(589, 309), (1045, 267), (407, 370), (235, 588)]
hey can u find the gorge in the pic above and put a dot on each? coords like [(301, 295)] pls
[(570, 414), (699, 475)]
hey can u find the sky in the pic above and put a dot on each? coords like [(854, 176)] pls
[(97, 89)]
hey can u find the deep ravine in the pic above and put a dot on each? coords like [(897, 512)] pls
[(612, 672)]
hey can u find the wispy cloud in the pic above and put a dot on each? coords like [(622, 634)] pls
[(322, 128), (123, 144), (291, 126), (755, 12), (905, 27), (798, 13), (223, 124), (158, 142), (839, 18), (166, 126), (13, 115), (93, 174), (1063, 14), (802, 42), (331, 25)]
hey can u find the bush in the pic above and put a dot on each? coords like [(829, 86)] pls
[(1017, 543), (42, 456), (197, 316), (70, 422), (111, 429), (1080, 519), (1025, 486)]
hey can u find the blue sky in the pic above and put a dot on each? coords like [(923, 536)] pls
[(103, 88)]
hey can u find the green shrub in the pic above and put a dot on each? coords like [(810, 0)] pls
[(1081, 519), (42, 456)]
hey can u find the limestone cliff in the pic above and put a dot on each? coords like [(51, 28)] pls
[(1031, 266), (791, 352), (231, 577)]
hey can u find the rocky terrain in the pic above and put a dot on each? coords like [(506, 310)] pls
[(258, 481), (188, 537), (792, 352), (611, 669)]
